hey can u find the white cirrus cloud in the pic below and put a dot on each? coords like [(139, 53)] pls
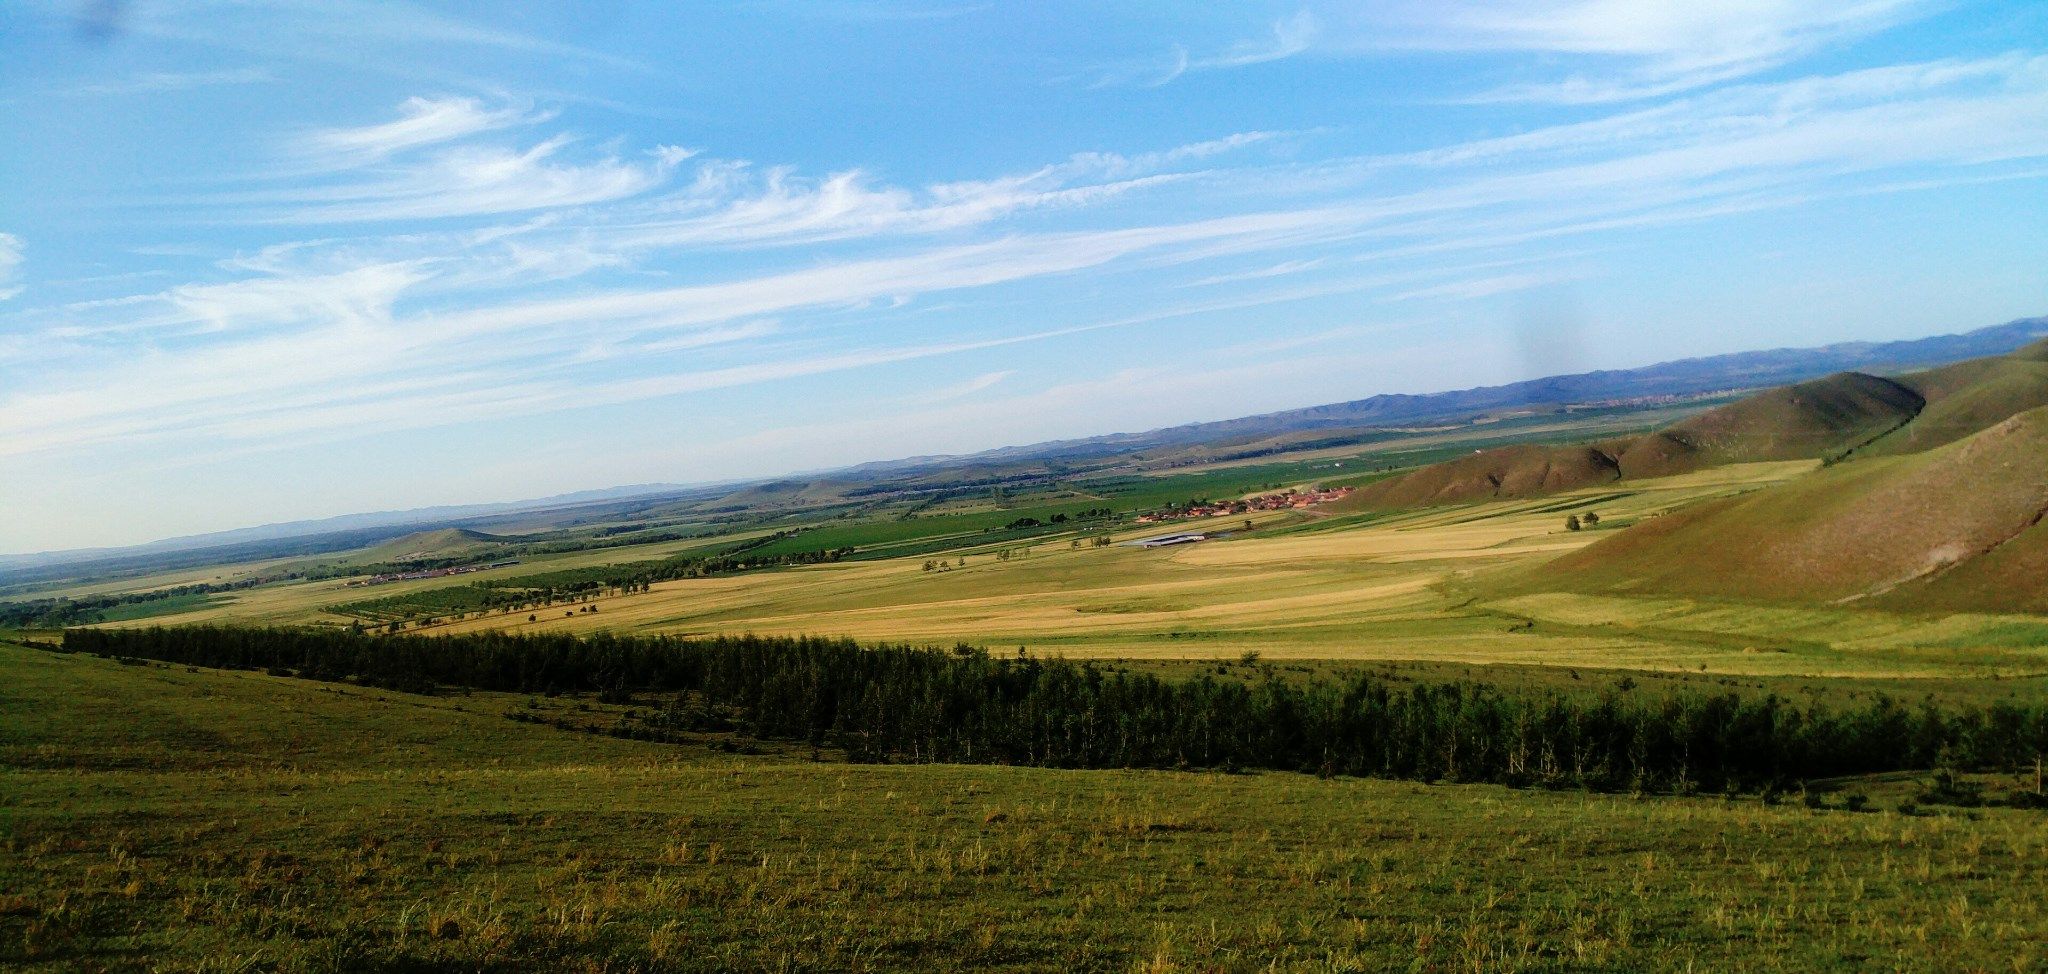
[(1568, 51), (10, 261), (421, 121), (472, 180), (1288, 37), (961, 390), (1632, 49), (433, 162), (1291, 35), (732, 202)]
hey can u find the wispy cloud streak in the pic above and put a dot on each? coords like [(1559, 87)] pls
[(1645, 48), (10, 261), (706, 274), (420, 122)]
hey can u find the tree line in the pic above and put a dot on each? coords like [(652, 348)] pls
[(60, 611), (638, 576), (574, 585), (619, 536), (901, 703)]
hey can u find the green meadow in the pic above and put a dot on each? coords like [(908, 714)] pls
[(167, 818)]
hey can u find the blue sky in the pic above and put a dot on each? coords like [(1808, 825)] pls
[(264, 261)]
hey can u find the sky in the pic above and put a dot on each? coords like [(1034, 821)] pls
[(267, 261)]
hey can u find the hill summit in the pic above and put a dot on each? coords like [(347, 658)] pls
[(439, 543)]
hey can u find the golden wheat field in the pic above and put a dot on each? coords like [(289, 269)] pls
[(1414, 586)]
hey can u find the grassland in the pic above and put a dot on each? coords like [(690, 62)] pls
[(1299, 585), (156, 817), (1956, 528)]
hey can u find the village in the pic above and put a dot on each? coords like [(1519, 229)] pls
[(1290, 499), (427, 573)]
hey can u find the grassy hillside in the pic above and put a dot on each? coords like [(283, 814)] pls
[(1509, 471), (1970, 396), (1957, 527), (1815, 419), (1843, 414), (1808, 420), (440, 543), (2008, 577), (162, 818)]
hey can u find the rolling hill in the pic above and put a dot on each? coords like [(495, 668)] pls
[(1812, 419), (1850, 414), (441, 543), (1958, 527), (1969, 396), (1509, 471)]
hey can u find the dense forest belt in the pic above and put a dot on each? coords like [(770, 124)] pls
[(961, 705)]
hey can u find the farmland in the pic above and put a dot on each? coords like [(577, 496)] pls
[(1297, 585)]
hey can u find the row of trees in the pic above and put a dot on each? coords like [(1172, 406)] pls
[(576, 585), (610, 537), (638, 576), (1093, 513), (903, 703), (57, 612)]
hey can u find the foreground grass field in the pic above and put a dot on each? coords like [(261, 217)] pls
[(159, 818)]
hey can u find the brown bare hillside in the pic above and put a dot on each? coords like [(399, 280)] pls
[(2008, 578), (1510, 471), (1811, 419), (1957, 527)]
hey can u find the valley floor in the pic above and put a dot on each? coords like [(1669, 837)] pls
[(157, 817), (1357, 586)]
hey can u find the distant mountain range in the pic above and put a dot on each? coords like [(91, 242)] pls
[(1741, 370), (1685, 377), (353, 528)]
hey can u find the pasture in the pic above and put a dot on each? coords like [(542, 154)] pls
[(163, 817)]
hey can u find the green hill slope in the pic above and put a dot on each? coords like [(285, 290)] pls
[(1811, 419), (1957, 527), (1843, 415), (1969, 396)]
